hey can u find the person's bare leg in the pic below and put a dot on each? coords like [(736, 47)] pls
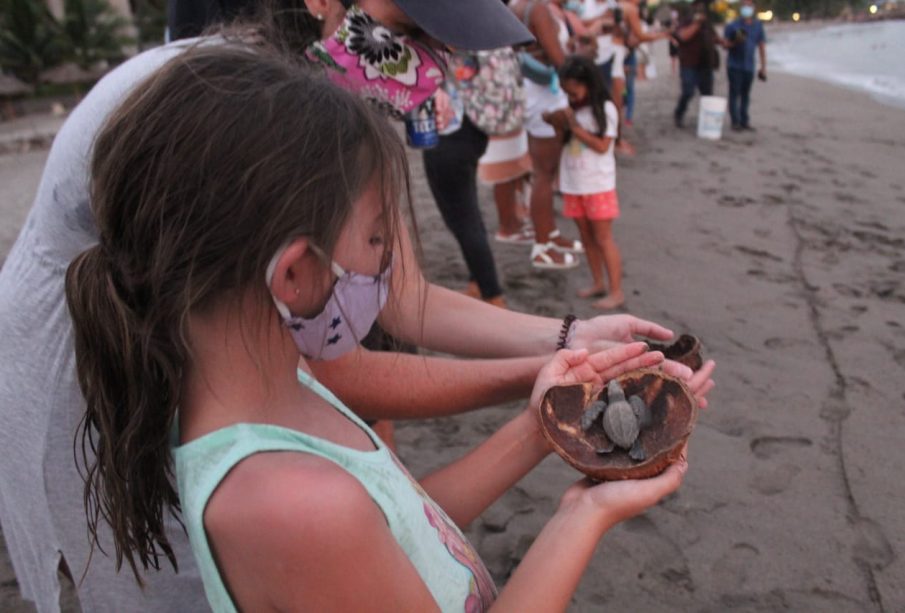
[(545, 157), (504, 195), (612, 261), (594, 256)]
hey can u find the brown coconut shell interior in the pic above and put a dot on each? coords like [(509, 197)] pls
[(674, 412), (685, 350)]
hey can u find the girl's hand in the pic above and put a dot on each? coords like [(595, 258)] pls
[(577, 366), (700, 382), (569, 116), (603, 331), (617, 501)]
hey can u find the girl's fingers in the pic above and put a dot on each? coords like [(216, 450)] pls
[(645, 360), (701, 394), (677, 370), (573, 357), (642, 327), (608, 358), (700, 377)]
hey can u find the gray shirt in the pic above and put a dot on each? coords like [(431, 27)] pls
[(41, 504)]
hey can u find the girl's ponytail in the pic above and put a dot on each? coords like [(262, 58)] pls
[(128, 370)]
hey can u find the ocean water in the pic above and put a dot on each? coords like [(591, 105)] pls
[(868, 56)]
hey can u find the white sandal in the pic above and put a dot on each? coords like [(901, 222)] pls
[(574, 246), (523, 236), (546, 262)]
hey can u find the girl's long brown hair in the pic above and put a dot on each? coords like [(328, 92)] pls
[(198, 178)]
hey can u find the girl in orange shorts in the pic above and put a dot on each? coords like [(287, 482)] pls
[(587, 174)]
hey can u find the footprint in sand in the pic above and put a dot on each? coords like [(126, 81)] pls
[(731, 569), (775, 480), (734, 201), (872, 547), (758, 253), (768, 447), (773, 199), (846, 198), (847, 290)]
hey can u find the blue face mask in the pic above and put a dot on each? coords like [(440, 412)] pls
[(747, 12)]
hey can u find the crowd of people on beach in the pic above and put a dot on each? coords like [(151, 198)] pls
[(219, 225), (549, 118)]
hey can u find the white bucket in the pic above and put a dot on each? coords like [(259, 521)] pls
[(711, 112)]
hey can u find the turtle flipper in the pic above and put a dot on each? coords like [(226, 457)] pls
[(637, 452), (606, 448), (641, 410), (591, 414)]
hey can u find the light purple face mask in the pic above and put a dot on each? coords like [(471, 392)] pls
[(365, 57), (351, 310)]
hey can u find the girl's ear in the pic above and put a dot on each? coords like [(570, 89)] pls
[(288, 273)]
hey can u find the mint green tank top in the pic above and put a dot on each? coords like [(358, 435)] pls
[(447, 563)]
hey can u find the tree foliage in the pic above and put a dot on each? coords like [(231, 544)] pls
[(93, 32), (31, 39)]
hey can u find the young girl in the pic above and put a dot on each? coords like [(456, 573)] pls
[(246, 220), (587, 174)]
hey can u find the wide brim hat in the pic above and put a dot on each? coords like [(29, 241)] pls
[(471, 25)]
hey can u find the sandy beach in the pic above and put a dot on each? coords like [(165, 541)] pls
[(784, 250)]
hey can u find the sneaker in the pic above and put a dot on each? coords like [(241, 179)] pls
[(546, 256), (749, 128)]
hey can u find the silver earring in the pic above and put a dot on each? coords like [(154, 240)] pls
[(319, 17)]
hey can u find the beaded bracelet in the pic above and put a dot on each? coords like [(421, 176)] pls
[(565, 333)]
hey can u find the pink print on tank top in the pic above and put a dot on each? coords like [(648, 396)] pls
[(482, 590)]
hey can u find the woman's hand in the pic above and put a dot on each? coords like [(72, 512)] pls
[(617, 501), (603, 331), (578, 366)]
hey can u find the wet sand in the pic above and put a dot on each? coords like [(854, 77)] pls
[(784, 250)]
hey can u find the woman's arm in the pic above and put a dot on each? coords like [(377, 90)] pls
[(685, 33), (468, 486), (631, 17), (546, 30), (368, 382), (440, 319)]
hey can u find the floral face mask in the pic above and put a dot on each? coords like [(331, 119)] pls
[(365, 57)]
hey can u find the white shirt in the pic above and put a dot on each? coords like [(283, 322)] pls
[(582, 170), (593, 9)]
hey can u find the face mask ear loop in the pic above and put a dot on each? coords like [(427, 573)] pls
[(335, 268), (268, 277)]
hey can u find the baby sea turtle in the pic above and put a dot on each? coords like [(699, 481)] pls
[(623, 421)]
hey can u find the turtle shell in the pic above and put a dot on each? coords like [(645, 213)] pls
[(673, 415), (686, 350)]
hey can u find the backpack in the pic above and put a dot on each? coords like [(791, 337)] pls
[(490, 85)]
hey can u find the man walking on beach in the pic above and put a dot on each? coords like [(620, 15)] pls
[(697, 56), (743, 36)]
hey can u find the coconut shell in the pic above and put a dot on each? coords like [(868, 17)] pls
[(686, 350), (673, 415)]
